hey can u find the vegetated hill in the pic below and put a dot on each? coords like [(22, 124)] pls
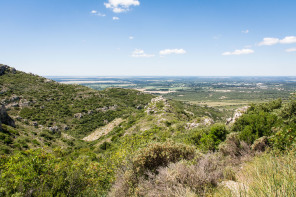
[(75, 109), (136, 144), (54, 114)]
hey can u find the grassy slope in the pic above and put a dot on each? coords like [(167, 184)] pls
[(271, 174)]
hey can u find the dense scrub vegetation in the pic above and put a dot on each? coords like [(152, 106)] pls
[(160, 148), (78, 109)]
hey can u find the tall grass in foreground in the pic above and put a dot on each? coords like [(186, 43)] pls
[(268, 175)]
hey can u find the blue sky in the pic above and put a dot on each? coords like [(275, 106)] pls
[(149, 37)]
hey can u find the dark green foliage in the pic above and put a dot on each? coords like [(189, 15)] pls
[(208, 138), (269, 119), (38, 173), (258, 121), (105, 145), (46, 135)]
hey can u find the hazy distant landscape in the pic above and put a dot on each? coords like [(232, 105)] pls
[(212, 91)]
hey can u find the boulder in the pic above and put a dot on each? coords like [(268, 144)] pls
[(78, 115), (6, 69), (66, 128), (54, 129), (5, 118), (237, 114)]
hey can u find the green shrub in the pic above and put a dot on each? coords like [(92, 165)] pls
[(160, 154), (46, 135), (255, 125), (38, 173), (209, 138), (35, 142), (105, 145), (283, 139)]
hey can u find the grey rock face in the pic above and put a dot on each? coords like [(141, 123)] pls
[(6, 69), (5, 118), (54, 129)]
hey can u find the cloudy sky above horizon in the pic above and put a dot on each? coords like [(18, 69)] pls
[(149, 37)]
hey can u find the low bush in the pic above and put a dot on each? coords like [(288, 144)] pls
[(234, 147), (146, 161), (183, 179), (283, 139), (38, 173), (161, 154), (209, 138)]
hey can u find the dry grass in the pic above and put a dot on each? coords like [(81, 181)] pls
[(183, 179), (268, 175), (147, 161)]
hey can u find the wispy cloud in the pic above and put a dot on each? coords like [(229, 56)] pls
[(269, 41), (288, 40), (239, 52), (245, 31), (291, 50), (141, 53), (115, 18), (131, 37), (273, 41), (172, 51), (119, 6), (95, 12)]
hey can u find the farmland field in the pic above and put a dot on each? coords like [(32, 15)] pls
[(212, 91)]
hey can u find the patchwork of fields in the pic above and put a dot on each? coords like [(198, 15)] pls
[(226, 92)]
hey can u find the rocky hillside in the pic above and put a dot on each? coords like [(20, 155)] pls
[(44, 109), (73, 109)]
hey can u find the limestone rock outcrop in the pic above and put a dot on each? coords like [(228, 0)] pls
[(6, 69), (5, 118), (238, 113)]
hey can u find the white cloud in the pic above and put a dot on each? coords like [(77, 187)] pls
[(288, 40), (172, 51), (95, 12), (239, 52), (269, 41), (245, 31), (100, 14), (119, 6), (291, 50), (115, 18), (273, 41), (141, 53), (131, 37)]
